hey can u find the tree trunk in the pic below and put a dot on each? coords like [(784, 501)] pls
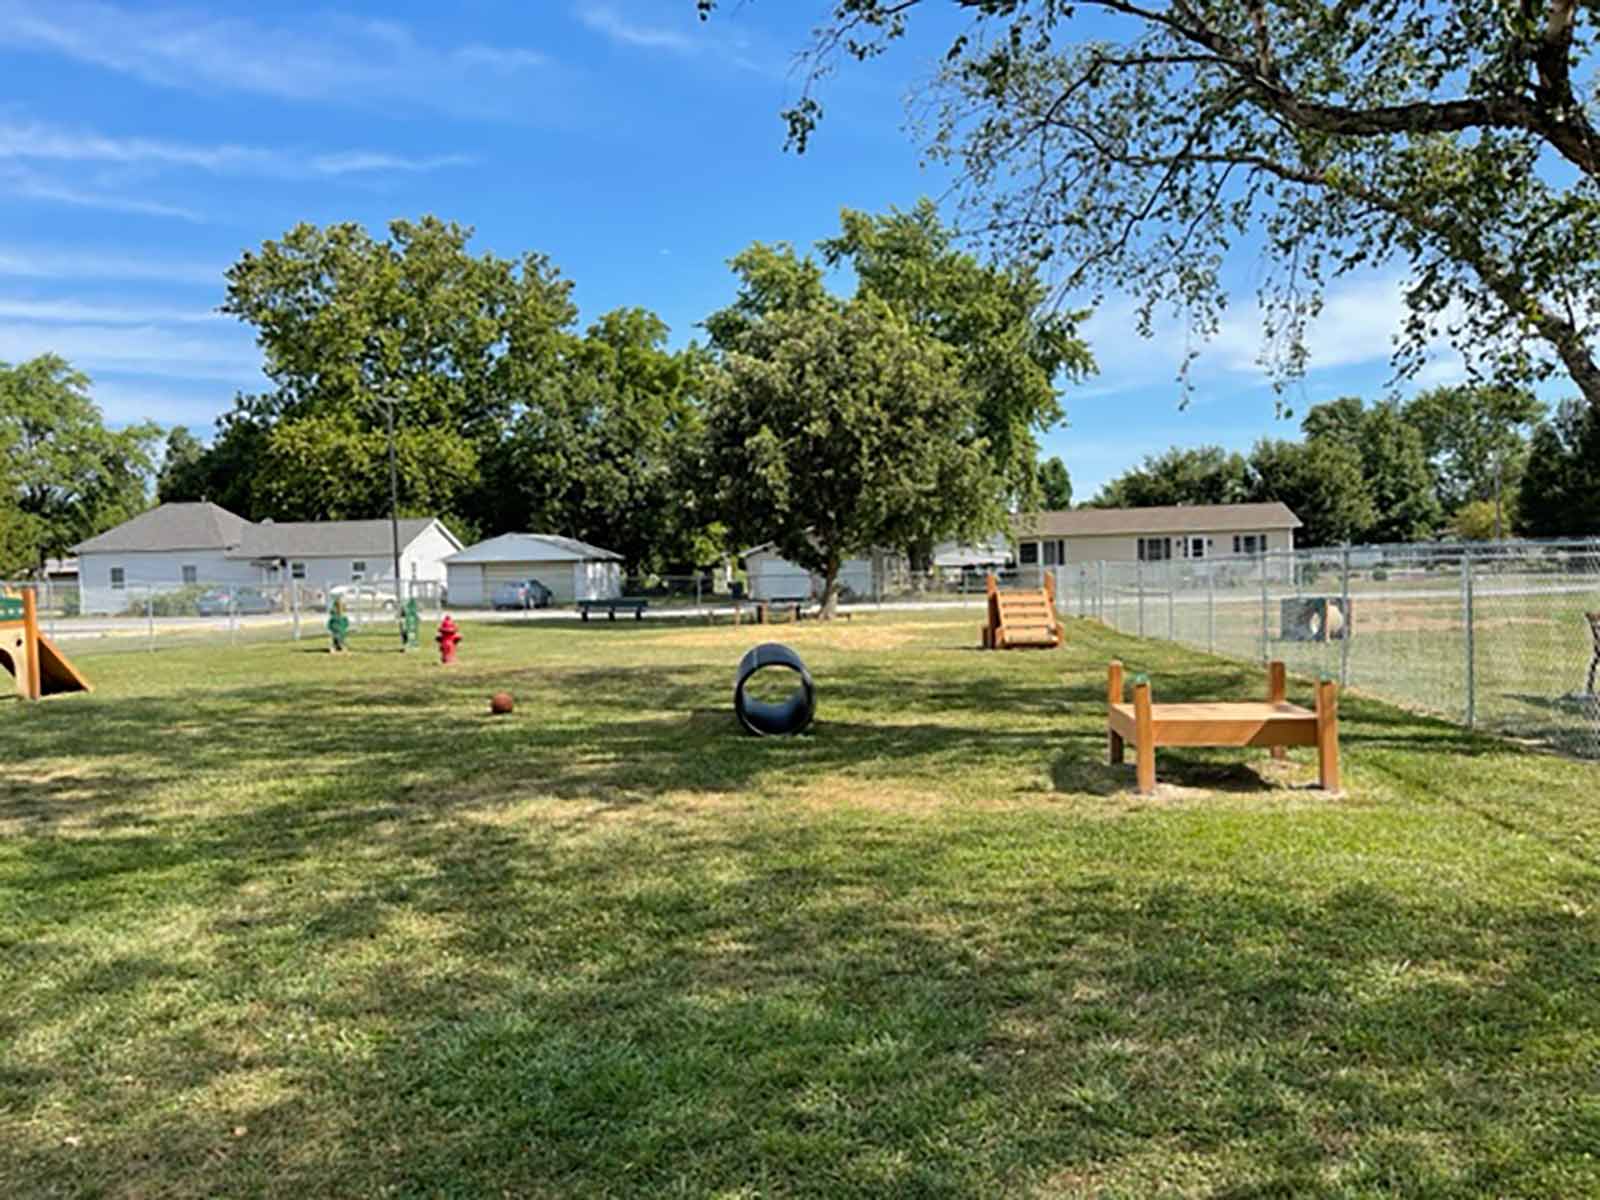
[(830, 591)]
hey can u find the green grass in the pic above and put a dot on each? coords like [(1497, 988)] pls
[(274, 922)]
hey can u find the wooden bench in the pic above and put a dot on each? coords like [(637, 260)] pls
[(1273, 722), (610, 608), (1021, 618), (765, 608), (1594, 663)]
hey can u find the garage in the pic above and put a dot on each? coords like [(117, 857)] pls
[(571, 569)]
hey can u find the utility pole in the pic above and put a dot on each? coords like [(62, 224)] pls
[(394, 506)]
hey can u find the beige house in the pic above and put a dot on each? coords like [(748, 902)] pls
[(1180, 531)]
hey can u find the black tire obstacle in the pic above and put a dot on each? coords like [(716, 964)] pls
[(766, 718)]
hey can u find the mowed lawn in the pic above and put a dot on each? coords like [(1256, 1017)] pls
[(279, 923)]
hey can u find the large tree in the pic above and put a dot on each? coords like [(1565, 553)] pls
[(67, 476), (1477, 441), (1394, 466), (1560, 492), (1055, 485), (1138, 142), (1013, 349), (1321, 482), (1198, 475), (607, 448), (349, 324), (182, 473), (836, 428)]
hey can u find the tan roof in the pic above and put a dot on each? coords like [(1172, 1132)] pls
[(1171, 518)]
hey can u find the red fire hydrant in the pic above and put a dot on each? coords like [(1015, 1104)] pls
[(448, 637)]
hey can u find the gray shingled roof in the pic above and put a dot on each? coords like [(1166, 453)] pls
[(326, 539), (199, 525), (1174, 518), (532, 547)]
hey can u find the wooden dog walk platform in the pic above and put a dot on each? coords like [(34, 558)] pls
[(1273, 722), (1022, 618)]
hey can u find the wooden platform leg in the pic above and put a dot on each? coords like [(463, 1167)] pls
[(1277, 693), (1144, 738), (33, 688), (1328, 735), (1114, 695)]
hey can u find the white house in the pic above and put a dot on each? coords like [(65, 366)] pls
[(571, 569), (773, 577), (1180, 531), (199, 544)]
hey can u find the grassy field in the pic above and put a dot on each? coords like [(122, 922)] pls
[(274, 922)]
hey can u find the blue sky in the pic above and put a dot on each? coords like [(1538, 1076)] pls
[(143, 147)]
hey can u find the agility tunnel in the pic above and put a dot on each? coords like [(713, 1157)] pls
[(29, 656), (767, 718)]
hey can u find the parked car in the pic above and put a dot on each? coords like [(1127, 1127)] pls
[(218, 602), (362, 596), (526, 593)]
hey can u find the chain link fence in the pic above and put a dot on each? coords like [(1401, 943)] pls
[(155, 616), (1499, 636)]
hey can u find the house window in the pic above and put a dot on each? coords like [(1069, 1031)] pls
[(190, 575), (1249, 543), (1052, 554), (1196, 547), (297, 570), (117, 579), (1028, 554), (1155, 549), (358, 570)]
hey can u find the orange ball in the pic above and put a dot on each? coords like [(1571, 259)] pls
[(501, 703)]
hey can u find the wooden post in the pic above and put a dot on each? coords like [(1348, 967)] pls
[(1277, 693), (1114, 695), (1328, 735), (30, 641), (1144, 738)]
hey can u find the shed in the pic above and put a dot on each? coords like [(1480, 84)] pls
[(571, 569)]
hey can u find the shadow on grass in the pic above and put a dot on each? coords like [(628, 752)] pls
[(790, 1010)]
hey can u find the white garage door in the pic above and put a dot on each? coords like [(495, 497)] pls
[(557, 576)]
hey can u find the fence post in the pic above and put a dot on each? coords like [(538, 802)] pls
[(1172, 610), (1266, 636), (294, 605), (1138, 577), (1467, 622), (233, 615), (1100, 590), (150, 620), (1349, 627), (1211, 610)]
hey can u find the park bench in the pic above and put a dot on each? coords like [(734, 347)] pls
[(768, 606), (612, 607), (1273, 722), (1594, 662)]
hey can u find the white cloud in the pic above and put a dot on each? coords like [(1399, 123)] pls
[(605, 19), (103, 314), (54, 263), (331, 58), (29, 185), (36, 141), (143, 349)]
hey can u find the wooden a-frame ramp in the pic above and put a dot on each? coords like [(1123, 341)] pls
[(29, 656), (1022, 618)]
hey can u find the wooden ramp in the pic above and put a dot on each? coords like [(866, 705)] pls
[(1019, 618), (32, 659)]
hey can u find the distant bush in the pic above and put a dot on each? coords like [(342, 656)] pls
[(1380, 573), (177, 603)]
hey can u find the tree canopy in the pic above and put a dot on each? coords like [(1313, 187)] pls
[(835, 428), (65, 476), (1476, 439), (1560, 492), (1138, 142), (1197, 475), (1394, 466), (1055, 485)]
